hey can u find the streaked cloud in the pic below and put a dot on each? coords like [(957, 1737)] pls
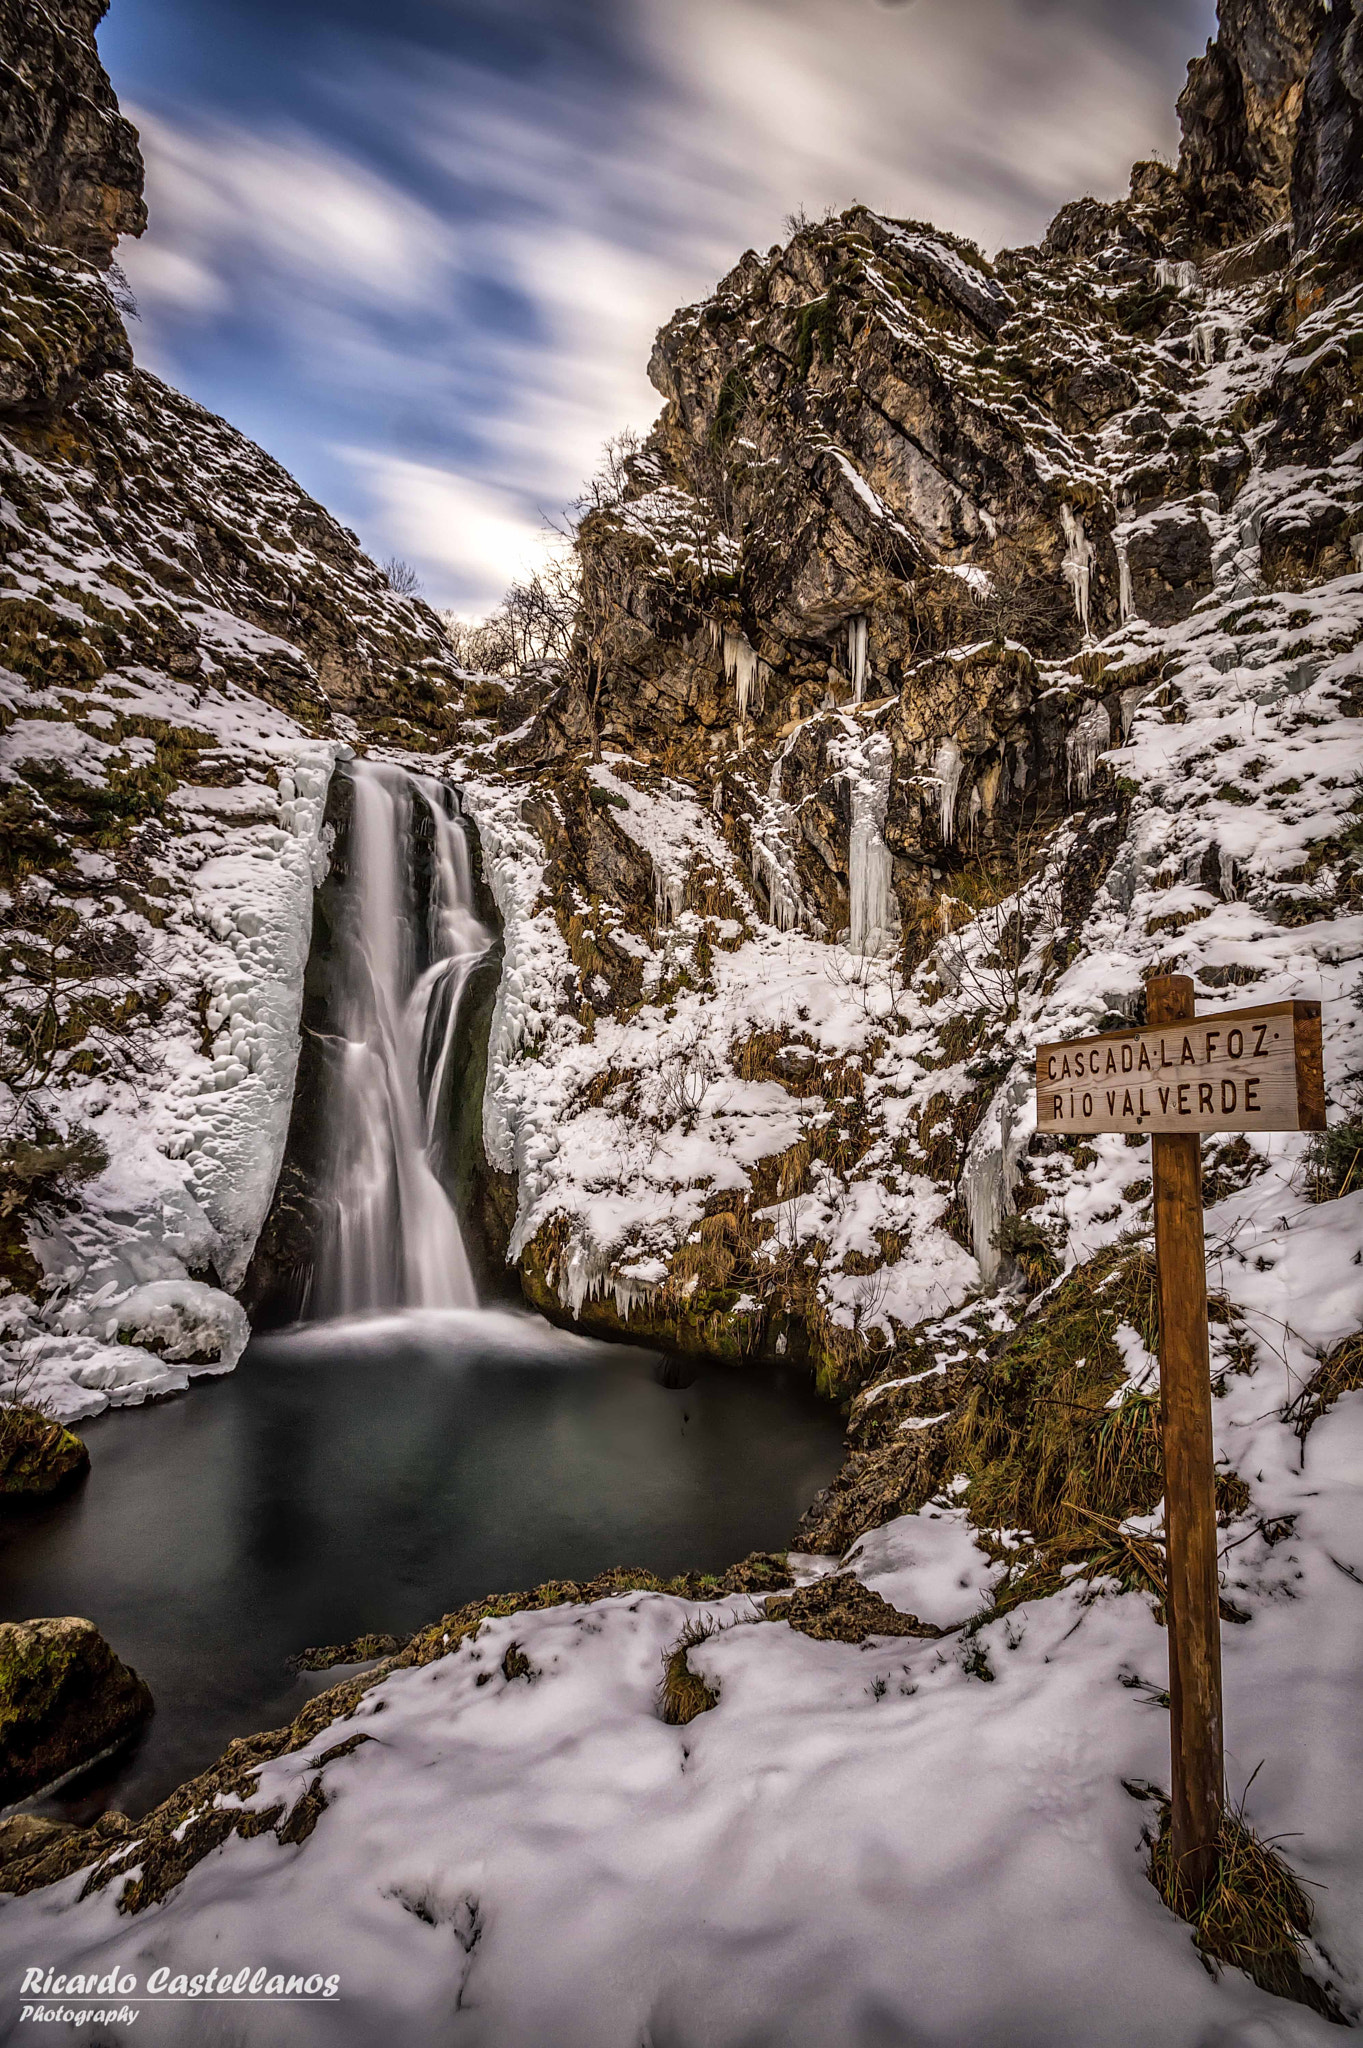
[(423, 258)]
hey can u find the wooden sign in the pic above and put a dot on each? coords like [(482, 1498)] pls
[(1241, 1070), (1174, 1078)]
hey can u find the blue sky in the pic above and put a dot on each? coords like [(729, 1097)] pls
[(419, 248)]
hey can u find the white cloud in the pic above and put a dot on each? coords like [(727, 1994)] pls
[(480, 537)]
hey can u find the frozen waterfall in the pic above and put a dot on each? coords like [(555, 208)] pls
[(857, 640), (410, 938), (868, 762), (1092, 736), (947, 768), (1078, 564)]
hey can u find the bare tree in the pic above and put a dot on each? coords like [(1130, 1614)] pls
[(402, 577)]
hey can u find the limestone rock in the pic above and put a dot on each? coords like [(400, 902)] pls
[(65, 1699)]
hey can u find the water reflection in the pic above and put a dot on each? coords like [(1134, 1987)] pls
[(373, 1474)]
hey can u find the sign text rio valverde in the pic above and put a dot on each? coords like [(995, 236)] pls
[(1247, 1070)]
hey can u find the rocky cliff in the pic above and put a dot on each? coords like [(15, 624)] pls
[(970, 637)]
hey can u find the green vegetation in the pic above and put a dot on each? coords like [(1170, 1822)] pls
[(816, 326)]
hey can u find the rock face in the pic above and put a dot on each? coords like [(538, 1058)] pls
[(1240, 110), (69, 162), (65, 1699), (37, 1456), (871, 617)]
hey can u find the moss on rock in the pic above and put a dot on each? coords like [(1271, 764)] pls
[(37, 1456), (65, 1699)]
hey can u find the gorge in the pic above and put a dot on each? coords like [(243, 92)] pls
[(971, 640)]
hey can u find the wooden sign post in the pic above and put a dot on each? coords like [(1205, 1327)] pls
[(1174, 1078)]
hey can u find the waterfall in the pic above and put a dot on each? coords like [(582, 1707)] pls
[(390, 1234), (1078, 564)]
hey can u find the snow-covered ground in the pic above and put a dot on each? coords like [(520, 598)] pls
[(859, 1844)]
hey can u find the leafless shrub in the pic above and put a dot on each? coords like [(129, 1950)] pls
[(685, 1080), (402, 577)]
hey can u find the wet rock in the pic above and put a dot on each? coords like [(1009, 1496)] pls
[(839, 1609), (37, 1456), (65, 1699)]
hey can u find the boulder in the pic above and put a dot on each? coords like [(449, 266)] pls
[(65, 1699), (37, 1456)]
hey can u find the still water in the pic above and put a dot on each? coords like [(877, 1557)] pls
[(372, 1475)]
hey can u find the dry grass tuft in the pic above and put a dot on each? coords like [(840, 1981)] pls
[(682, 1693), (1255, 1914), (1340, 1373), (1043, 1449)]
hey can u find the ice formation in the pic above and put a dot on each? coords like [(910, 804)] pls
[(1182, 276), (857, 630), (1078, 564), (991, 1170), (1126, 601), (1091, 736), (745, 669), (875, 922), (772, 857), (947, 769)]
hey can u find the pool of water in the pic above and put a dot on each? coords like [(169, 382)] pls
[(372, 1475)]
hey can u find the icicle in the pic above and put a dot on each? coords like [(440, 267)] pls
[(744, 668), (1184, 277), (973, 810), (1356, 549), (1205, 336), (1128, 700), (990, 1173), (856, 656), (1091, 737), (1226, 863), (1078, 564), (947, 769), (1126, 601), (870, 868)]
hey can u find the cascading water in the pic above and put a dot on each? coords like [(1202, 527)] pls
[(390, 1235)]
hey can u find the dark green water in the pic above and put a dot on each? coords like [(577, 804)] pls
[(372, 1475)]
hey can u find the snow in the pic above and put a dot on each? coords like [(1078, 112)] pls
[(531, 1860)]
